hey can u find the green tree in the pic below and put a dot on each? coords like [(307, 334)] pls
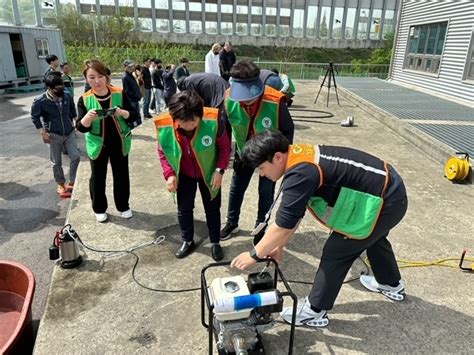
[(74, 27), (117, 29)]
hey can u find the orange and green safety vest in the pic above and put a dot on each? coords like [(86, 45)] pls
[(203, 144), (95, 137), (267, 116), (355, 213)]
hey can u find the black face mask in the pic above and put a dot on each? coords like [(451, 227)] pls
[(58, 93)]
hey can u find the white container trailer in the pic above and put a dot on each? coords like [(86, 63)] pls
[(23, 51)]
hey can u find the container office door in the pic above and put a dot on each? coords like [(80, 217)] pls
[(7, 63), (32, 60)]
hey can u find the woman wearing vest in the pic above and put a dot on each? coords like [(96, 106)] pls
[(194, 150), (359, 197), (108, 137), (252, 108)]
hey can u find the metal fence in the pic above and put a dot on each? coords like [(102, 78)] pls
[(312, 71), (113, 58)]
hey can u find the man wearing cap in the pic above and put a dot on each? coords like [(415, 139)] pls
[(252, 108), (271, 79), (131, 88)]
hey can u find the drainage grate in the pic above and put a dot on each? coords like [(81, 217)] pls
[(460, 137), (406, 103)]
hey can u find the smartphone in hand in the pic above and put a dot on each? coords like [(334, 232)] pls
[(105, 113)]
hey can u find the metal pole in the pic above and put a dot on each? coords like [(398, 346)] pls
[(93, 14), (95, 40)]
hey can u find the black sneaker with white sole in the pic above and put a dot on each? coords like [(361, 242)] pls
[(228, 230)]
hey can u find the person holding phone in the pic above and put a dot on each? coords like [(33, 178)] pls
[(103, 115)]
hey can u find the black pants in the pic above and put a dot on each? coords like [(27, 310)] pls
[(98, 179), (186, 194), (339, 253), (239, 184)]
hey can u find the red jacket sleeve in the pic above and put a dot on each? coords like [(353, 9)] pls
[(165, 165), (223, 147)]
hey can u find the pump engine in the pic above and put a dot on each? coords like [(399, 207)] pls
[(240, 311)]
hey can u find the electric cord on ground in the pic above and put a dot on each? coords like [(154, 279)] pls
[(365, 272), (130, 251), (404, 264), (312, 119)]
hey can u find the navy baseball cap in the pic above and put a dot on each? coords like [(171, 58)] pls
[(246, 89)]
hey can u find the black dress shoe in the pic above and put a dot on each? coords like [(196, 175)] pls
[(185, 249), (217, 253)]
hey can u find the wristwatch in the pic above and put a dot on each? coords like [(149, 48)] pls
[(220, 171), (254, 256)]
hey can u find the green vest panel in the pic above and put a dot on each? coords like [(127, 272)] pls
[(267, 118), (203, 145), (95, 137)]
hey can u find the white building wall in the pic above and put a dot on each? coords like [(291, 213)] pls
[(449, 79)]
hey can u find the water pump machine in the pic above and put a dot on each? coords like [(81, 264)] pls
[(64, 244), (240, 311)]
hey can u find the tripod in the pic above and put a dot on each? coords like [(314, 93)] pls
[(330, 73)]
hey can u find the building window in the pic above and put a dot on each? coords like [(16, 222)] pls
[(375, 25), (161, 4), (227, 9), (226, 28), (162, 25), (425, 46), (311, 21), (324, 22), (211, 27), (363, 24), (241, 28), (195, 27), (350, 20), (388, 23), (42, 47), (179, 5), (255, 29), (470, 60), (179, 26), (298, 23), (337, 22)]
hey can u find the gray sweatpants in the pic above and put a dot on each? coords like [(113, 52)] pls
[(59, 144)]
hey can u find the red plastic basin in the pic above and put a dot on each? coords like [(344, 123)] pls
[(17, 287)]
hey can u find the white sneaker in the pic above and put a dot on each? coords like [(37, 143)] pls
[(126, 214), (101, 217), (305, 315), (394, 293)]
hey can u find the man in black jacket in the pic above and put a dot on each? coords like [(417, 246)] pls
[(131, 88), (146, 76), (158, 88), (53, 114), (226, 60)]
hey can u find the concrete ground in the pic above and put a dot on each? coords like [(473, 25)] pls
[(98, 308)]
